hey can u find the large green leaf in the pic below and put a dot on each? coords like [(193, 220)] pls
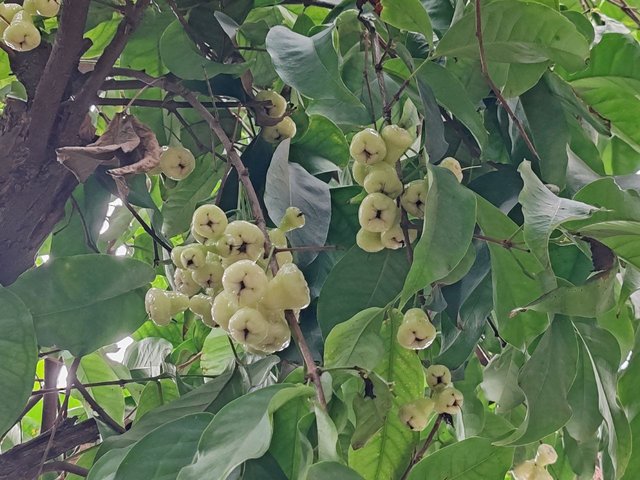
[(604, 353), (544, 212), (310, 65), (549, 131), (323, 147), (518, 32), (290, 185), (611, 82), (409, 15), (514, 274), (545, 386), (629, 389), (358, 281), (162, 453), (331, 471), (290, 445), (240, 431), (472, 459), (500, 379), (623, 237), (356, 342), (386, 455), (18, 354), (84, 302), (450, 218)]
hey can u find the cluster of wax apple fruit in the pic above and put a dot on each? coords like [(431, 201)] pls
[(16, 22), (274, 105), (376, 156), (443, 399), (536, 469), (228, 263)]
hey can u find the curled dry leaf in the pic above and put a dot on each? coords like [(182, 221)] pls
[(128, 145)]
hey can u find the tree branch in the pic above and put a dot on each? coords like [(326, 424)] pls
[(628, 10), (167, 104), (427, 443), (104, 416), (59, 466), (485, 72)]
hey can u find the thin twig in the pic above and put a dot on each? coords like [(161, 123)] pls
[(483, 358), (95, 406), (87, 234), (427, 443), (485, 72), (170, 105), (307, 248), (508, 244), (204, 48), (60, 466), (309, 3), (628, 10), (146, 227)]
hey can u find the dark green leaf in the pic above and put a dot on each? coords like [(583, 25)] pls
[(331, 471)]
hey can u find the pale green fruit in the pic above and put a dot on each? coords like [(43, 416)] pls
[(393, 238), (249, 326), (209, 275), (179, 302), (286, 128), (438, 376), (293, 218), (359, 172), (279, 240), (278, 105), (184, 282), (540, 473), (278, 334), (242, 241), (382, 178), (9, 10), (377, 213), (197, 237), (175, 255), (448, 400), (288, 290), (524, 471), (177, 163), (397, 140), (201, 306), (47, 8), (223, 308), (416, 414), (367, 147), (453, 166), (29, 7), (416, 332), (246, 281), (22, 35), (209, 221), (193, 257), (158, 306), (414, 198), (546, 455), (369, 241)]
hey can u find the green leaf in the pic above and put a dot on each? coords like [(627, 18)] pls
[(162, 453), (217, 354), (549, 131), (196, 401), (544, 212), (107, 465), (604, 353), (371, 407), (18, 354), (290, 185), (290, 445), (322, 147), (514, 275), (590, 300), (545, 386), (356, 342), (387, 454), (331, 471), (183, 199), (84, 302), (450, 218), (500, 379), (154, 395), (472, 459), (611, 82), (518, 32), (92, 369), (622, 237), (409, 15), (240, 431), (181, 57), (358, 281), (310, 65)]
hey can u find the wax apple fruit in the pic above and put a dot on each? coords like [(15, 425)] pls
[(277, 105), (453, 166), (369, 241), (414, 198), (438, 376), (448, 400), (382, 178), (209, 221), (177, 163), (397, 140), (246, 281), (286, 128), (288, 290), (416, 414), (377, 213), (368, 147), (416, 332)]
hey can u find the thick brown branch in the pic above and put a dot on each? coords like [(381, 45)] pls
[(23, 461), (59, 466), (58, 72), (485, 72)]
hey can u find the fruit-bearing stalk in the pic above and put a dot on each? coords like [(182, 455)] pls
[(243, 174)]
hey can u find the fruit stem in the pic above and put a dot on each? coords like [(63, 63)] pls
[(427, 443)]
